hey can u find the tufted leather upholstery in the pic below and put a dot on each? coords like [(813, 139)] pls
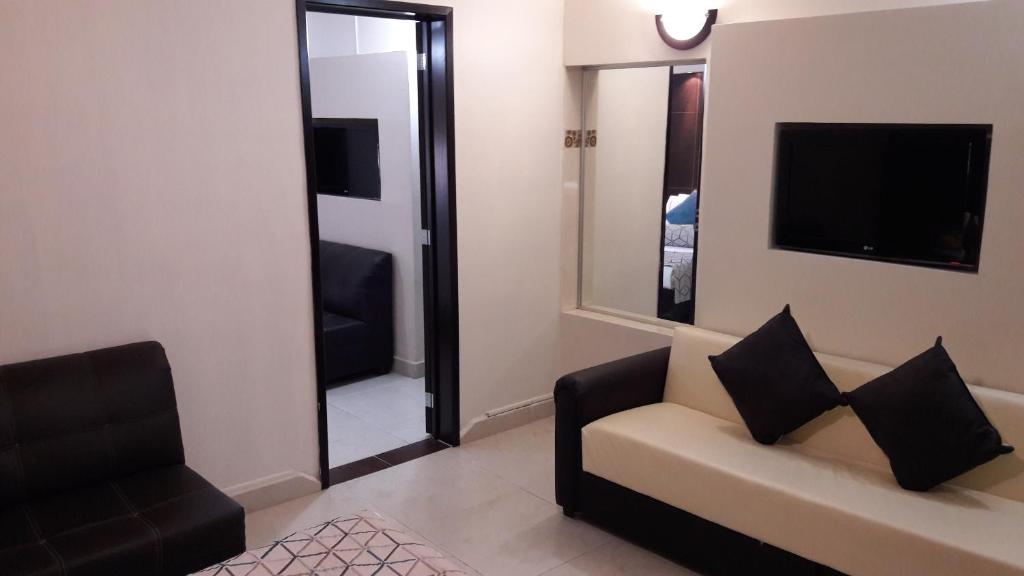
[(92, 474), (358, 299)]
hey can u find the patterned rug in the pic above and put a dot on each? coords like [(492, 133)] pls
[(361, 544)]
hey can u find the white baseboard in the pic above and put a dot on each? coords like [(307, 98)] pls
[(508, 417), (409, 368), (272, 490)]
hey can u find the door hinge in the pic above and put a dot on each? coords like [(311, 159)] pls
[(429, 400), (421, 62), (425, 237)]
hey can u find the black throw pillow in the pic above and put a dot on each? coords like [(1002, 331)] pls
[(925, 420), (774, 379)]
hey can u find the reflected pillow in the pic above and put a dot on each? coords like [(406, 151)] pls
[(675, 200), (684, 213), (679, 235)]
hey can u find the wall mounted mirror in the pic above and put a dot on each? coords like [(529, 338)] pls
[(641, 188)]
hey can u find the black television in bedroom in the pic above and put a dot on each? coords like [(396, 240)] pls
[(907, 193), (347, 157)]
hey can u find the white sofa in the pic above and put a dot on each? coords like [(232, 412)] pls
[(825, 492)]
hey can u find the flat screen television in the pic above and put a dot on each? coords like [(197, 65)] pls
[(347, 154), (907, 193)]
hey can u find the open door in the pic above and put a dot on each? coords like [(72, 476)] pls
[(437, 238)]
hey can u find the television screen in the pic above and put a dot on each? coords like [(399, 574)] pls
[(347, 157), (913, 194)]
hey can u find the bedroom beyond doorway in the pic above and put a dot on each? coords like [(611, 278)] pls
[(378, 139)]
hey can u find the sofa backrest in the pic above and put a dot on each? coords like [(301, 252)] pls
[(839, 433), (356, 282), (77, 420)]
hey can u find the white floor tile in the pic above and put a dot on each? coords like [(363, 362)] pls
[(490, 523), (352, 438), (362, 385), (374, 415), (524, 456), (387, 403), (411, 431), (488, 505), (267, 525), (620, 559)]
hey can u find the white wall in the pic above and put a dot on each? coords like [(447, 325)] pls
[(153, 187), (377, 35), (377, 86), (622, 31), (938, 64), (508, 129), (626, 171), (955, 64), (329, 35)]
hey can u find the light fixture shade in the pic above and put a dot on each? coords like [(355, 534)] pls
[(684, 31)]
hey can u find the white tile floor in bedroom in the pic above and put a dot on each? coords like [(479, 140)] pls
[(374, 415), (490, 505)]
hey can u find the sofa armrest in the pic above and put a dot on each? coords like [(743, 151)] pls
[(591, 394)]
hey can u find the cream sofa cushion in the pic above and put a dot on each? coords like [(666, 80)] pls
[(852, 517), (838, 433)]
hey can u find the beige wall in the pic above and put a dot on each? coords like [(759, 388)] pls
[(508, 128), (590, 338), (904, 66), (154, 187), (919, 65), (625, 178), (622, 31)]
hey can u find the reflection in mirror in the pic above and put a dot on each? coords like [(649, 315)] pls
[(641, 178)]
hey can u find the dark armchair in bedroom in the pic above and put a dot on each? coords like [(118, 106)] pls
[(356, 286)]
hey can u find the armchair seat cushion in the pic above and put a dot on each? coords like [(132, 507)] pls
[(165, 521), (850, 516), (338, 324)]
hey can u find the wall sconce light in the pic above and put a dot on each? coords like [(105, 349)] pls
[(685, 29)]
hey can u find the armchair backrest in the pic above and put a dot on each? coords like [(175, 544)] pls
[(356, 282), (76, 420)]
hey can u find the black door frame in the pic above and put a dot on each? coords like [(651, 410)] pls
[(437, 174)]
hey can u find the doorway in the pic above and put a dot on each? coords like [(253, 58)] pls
[(376, 83)]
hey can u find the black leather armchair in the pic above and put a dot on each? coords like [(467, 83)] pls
[(358, 300), (92, 471)]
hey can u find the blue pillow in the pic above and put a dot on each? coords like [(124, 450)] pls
[(685, 212)]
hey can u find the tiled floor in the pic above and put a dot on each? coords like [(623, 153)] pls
[(371, 416), (489, 505)]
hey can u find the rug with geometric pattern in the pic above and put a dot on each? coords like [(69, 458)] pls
[(361, 544)]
